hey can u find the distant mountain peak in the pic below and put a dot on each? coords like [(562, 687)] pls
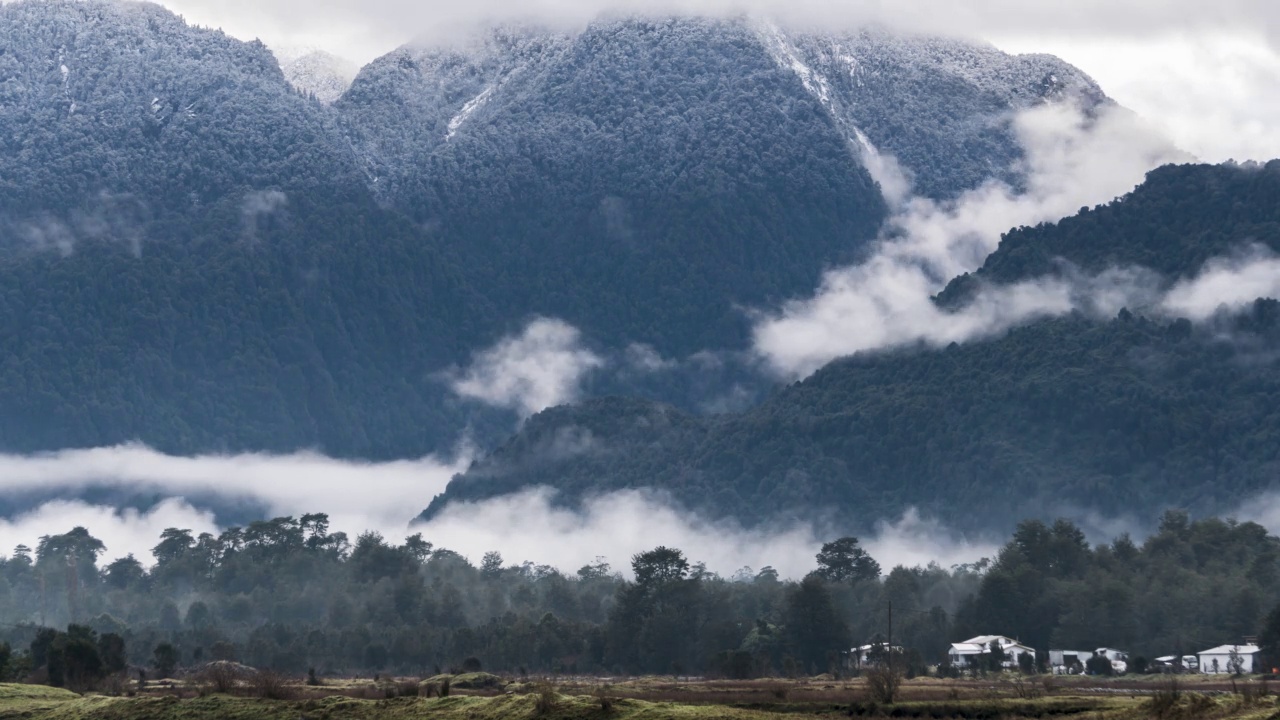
[(316, 72)]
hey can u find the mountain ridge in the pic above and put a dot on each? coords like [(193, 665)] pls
[(201, 257), (1072, 414)]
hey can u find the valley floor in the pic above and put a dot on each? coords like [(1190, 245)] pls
[(658, 699)]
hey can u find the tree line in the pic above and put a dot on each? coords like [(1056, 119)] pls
[(290, 595)]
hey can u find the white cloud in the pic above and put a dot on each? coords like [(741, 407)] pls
[(1071, 161), (1207, 73), (124, 532), (1229, 283), (383, 497), (540, 368), (1214, 94), (358, 496), (528, 526), (371, 26), (645, 359)]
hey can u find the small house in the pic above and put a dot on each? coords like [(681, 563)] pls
[(973, 650), (1230, 659)]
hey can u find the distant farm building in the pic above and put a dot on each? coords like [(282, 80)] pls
[(1230, 659), (974, 650), (870, 654), (1069, 662)]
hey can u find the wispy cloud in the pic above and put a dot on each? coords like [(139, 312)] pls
[(529, 526), (1071, 160), (123, 532), (541, 367), (1225, 283), (386, 496), (357, 495)]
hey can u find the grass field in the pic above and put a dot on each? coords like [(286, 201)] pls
[(659, 698)]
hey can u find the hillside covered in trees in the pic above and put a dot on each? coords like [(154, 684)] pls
[(1133, 413), (1182, 217), (196, 255), (288, 595)]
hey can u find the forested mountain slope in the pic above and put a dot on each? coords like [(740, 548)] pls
[(646, 179), (1179, 219), (639, 181), (190, 256), (198, 255), (1123, 416)]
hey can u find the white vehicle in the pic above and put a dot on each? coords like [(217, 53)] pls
[(1119, 659)]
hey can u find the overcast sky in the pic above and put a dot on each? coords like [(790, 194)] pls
[(1208, 73)]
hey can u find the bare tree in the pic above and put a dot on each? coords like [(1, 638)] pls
[(884, 678)]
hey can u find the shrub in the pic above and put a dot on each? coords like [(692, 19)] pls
[(221, 676), (1099, 665), (545, 699), (165, 658), (1164, 702), (407, 688), (271, 685), (883, 682)]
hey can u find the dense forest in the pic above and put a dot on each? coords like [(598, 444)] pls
[(1073, 413), (197, 256), (287, 594), (1181, 217), (1069, 414)]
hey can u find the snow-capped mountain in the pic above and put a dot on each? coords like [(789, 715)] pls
[(216, 259), (316, 72), (941, 106)]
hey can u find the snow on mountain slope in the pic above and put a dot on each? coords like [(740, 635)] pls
[(317, 72), (940, 106), (413, 99)]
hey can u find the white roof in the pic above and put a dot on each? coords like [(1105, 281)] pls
[(1226, 650), (986, 640), (982, 644)]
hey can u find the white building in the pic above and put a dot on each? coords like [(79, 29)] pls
[(863, 656), (971, 651), (1221, 659), (1066, 662)]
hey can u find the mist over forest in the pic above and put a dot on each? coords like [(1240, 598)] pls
[(289, 594), (724, 346)]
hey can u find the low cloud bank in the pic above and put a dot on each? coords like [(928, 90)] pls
[(124, 532), (372, 26), (358, 496), (1225, 283), (1071, 160), (527, 526)]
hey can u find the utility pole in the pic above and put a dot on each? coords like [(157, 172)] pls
[(890, 628)]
